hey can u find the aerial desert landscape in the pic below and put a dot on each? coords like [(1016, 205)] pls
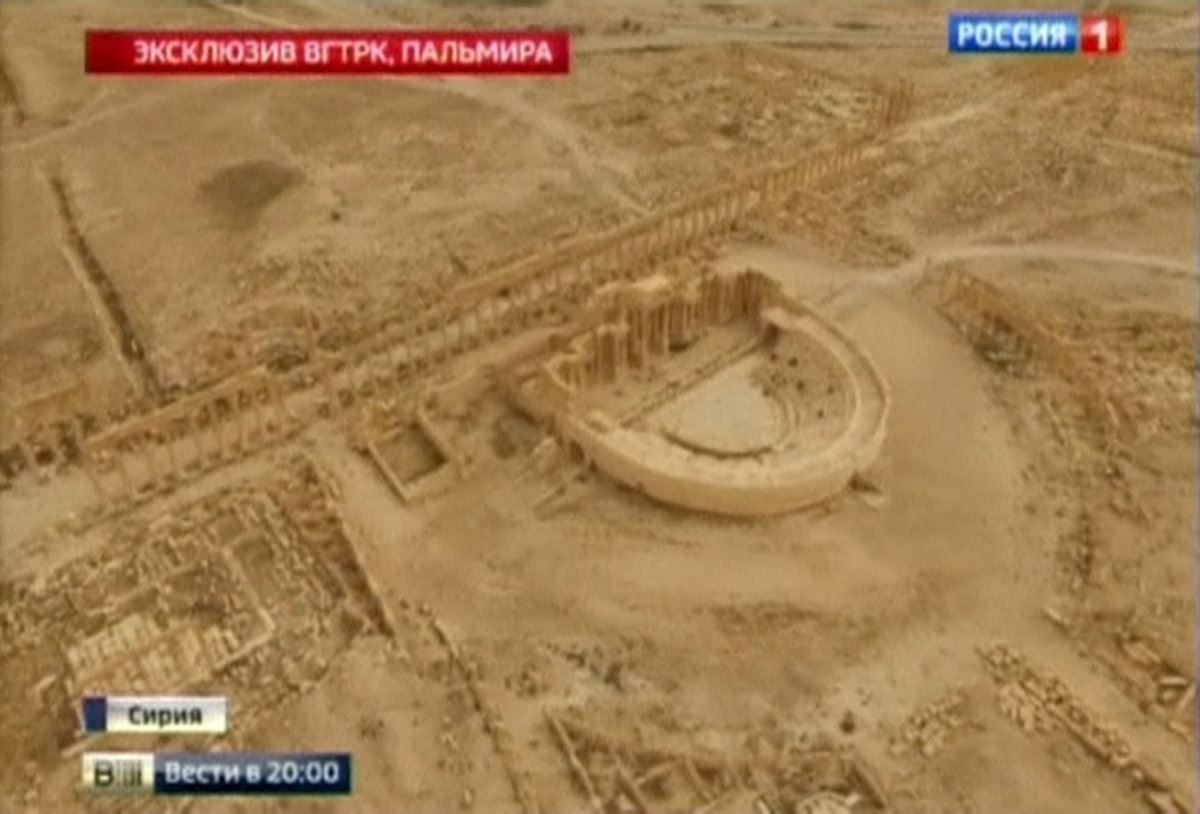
[(776, 414)]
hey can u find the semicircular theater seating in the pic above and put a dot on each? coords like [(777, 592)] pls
[(772, 479)]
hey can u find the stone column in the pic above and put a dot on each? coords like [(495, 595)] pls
[(474, 329), (193, 430), (75, 433), (524, 299), (279, 407), (641, 340), (219, 433), (487, 320), (172, 460), (28, 456), (325, 371), (88, 465), (445, 337), (416, 350), (604, 340), (123, 475), (584, 272), (656, 331), (256, 406), (430, 337), (623, 348), (424, 340), (597, 350), (145, 445), (482, 313), (236, 416)]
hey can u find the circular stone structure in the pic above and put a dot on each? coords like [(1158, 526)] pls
[(768, 407)]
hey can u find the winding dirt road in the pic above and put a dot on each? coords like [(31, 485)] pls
[(910, 272)]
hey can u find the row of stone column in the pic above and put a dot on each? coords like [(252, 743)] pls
[(685, 318), (436, 338), (611, 351), (43, 448), (719, 301), (158, 453), (647, 331), (425, 345), (665, 237)]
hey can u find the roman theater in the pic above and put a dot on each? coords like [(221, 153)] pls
[(719, 394)]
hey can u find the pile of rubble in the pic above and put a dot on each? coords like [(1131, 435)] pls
[(1037, 702), (927, 730)]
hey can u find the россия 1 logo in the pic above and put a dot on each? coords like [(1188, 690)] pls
[(1033, 33)]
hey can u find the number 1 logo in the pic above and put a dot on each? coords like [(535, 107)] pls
[(1101, 35)]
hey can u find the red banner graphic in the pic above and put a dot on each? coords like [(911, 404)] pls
[(531, 53)]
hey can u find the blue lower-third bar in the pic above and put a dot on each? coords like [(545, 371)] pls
[(302, 773)]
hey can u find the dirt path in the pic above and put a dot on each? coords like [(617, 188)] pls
[(1174, 156), (911, 271), (838, 288), (1055, 251)]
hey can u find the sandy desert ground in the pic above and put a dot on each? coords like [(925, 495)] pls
[(997, 615)]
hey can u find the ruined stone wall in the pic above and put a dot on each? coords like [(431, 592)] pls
[(996, 318), (632, 461)]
